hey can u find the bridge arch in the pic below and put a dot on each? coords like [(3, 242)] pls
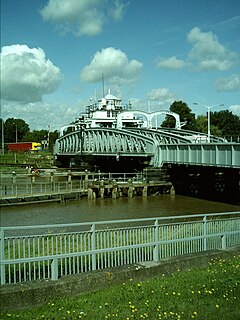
[(169, 113), (148, 117)]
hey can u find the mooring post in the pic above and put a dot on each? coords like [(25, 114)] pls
[(69, 176), (51, 176), (144, 191), (14, 176), (102, 189), (86, 180), (115, 189), (172, 190)]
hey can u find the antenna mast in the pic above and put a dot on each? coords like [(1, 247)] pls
[(103, 84)]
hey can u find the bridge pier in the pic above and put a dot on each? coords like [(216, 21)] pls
[(116, 189), (145, 191)]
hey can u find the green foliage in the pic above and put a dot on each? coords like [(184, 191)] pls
[(185, 114), (15, 129), (202, 126), (36, 135), (208, 293), (228, 123), (18, 129)]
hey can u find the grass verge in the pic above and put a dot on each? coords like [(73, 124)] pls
[(211, 293)]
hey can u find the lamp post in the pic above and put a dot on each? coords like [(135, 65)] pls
[(16, 133), (208, 116), (2, 136)]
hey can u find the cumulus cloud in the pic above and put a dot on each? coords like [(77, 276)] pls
[(235, 109), (82, 17), (171, 63), (162, 95), (40, 114), (208, 53), (26, 74), (115, 66), (231, 83)]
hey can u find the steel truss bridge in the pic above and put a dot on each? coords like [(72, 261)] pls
[(159, 145)]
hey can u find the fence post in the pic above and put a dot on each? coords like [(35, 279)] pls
[(2, 256), (204, 232), (93, 230), (156, 239), (54, 269), (224, 244)]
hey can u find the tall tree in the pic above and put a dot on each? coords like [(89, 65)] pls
[(15, 129), (202, 126), (228, 123), (185, 114)]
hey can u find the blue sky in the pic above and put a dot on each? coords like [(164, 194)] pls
[(152, 52)]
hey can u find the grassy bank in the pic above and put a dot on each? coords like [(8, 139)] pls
[(12, 161), (211, 293)]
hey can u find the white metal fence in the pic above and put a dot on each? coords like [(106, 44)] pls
[(24, 189), (16, 187), (51, 251)]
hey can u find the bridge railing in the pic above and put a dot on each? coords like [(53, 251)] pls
[(51, 251), (212, 154)]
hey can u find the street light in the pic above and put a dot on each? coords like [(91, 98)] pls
[(208, 116), (16, 133), (2, 136)]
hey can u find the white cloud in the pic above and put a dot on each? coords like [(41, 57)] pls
[(115, 66), (163, 96), (231, 83), (117, 10), (171, 63), (40, 114), (82, 17), (26, 74), (235, 109), (208, 53)]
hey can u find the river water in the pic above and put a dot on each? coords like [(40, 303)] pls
[(87, 210)]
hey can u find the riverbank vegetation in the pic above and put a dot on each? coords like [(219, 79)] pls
[(21, 161), (207, 293)]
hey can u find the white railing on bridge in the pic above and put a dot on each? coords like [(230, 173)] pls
[(50, 251), (211, 154)]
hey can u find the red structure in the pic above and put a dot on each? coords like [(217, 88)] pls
[(23, 146)]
